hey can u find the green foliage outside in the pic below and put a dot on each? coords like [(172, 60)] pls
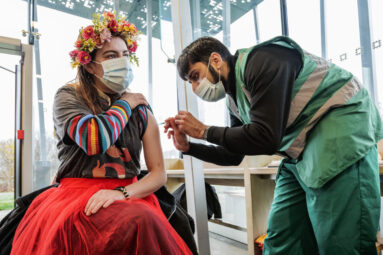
[(6, 200), (7, 152)]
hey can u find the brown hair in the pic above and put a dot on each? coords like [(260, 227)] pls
[(85, 86), (86, 89)]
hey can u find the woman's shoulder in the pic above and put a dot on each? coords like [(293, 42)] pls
[(66, 96), (66, 93), (67, 88)]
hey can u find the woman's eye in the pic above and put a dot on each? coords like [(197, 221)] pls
[(111, 56)]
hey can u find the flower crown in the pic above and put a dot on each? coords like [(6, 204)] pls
[(94, 36)]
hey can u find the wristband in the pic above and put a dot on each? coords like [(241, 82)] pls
[(123, 190)]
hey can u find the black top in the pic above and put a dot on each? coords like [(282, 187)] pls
[(270, 73), (121, 159)]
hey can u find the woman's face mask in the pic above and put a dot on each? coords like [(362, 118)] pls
[(209, 91), (118, 74)]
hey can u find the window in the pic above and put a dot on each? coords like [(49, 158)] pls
[(55, 43), (304, 24), (238, 40), (343, 36), (13, 22), (269, 19), (164, 76), (377, 46)]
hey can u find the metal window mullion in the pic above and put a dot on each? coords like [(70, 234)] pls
[(196, 19), (116, 6), (365, 33), (150, 50), (323, 28), (256, 28), (17, 152), (226, 21), (284, 23)]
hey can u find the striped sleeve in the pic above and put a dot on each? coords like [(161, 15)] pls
[(143, 118), (96, 133)]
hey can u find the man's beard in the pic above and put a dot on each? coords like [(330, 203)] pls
[(216, 77)]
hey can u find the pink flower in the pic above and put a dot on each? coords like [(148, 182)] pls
[(112, 25), (133, 47), (109, 15), (97, 39), (78, 43), (105, 35), (88, 32), (84, 57), (73, 53)]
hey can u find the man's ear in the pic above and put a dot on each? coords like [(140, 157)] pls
[(216, 60)]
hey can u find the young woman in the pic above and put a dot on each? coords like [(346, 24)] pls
[(99, 206)]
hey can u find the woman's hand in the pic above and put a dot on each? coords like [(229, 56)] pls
[(133, 99), (180, 140), (102, 198)]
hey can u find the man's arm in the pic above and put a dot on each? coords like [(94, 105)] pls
[(217, 154), (269, 76), (209, 153), (214, 154)]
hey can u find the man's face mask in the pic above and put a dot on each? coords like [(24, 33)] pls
[(209, 91), (118, 74)]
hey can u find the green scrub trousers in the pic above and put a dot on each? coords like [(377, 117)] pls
[(342, 217)]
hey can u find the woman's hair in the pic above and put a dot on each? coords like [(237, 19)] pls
[(85, 86), (200, 51)]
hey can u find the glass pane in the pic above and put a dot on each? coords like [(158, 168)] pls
[(237, 39), (304, 24), (56, 71), (13, 19), (377, 45), (7, 131), (269, 19), (343, 35), (164, 76)]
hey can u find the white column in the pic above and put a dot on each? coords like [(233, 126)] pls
[(194, 176), (26, 120)]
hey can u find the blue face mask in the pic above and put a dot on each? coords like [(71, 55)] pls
[(118, 74), (209, 91)]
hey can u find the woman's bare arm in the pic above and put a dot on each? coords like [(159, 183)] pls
[(156, 177)]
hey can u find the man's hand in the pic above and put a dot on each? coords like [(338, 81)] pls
[(180, 140), (102, 198), (189, 125)]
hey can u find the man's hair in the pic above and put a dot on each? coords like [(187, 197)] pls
[(200, 51)]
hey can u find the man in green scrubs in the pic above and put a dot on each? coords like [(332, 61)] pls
[(318, 116)]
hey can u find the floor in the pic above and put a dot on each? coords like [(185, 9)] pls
[(219, 245)]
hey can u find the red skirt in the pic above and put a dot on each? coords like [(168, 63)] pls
[(55, 223)]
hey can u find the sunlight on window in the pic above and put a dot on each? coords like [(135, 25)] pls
[(304, 26), (377, 46)]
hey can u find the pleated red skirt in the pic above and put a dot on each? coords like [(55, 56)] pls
[(55, 223)]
